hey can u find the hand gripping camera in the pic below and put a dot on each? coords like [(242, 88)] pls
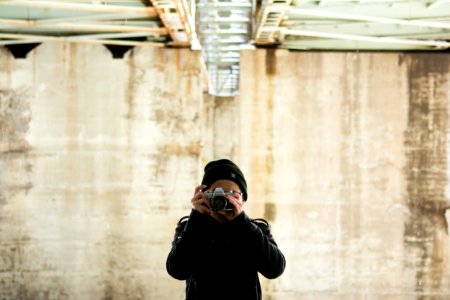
[(218, 200)]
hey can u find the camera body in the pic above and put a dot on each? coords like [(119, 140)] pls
[(218, 200)]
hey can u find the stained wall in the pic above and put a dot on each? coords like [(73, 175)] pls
[(95, 155), (345, 155), (348, 156)]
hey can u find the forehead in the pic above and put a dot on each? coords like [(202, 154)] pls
[(226, 185)]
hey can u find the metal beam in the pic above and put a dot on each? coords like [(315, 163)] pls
[(18, 42), (270, 19), (149, 11), (93, 17), (351, 37), (366, 18), (120, 35), (175, 16), (30, 38), (80, 27)]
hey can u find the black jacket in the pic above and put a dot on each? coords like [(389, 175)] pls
[(222, 261)]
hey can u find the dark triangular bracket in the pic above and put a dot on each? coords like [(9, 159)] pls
[(21, 50), (118, 52)]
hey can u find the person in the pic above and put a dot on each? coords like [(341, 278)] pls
[(219, 252)]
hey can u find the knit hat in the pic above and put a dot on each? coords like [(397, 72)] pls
[(224, 169)]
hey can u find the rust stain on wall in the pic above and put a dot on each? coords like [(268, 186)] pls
[(129, 91), (192, 149), (268, 103), (271, 62), (426, 169)]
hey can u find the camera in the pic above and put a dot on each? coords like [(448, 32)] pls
[(218, 200)]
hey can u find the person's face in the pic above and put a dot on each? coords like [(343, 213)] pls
[(226, 185)]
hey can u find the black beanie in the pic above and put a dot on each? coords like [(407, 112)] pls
[(224, 169)]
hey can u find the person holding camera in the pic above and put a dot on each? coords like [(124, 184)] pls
[(218, 249)]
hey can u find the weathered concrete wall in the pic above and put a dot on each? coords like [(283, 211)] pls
[(95, 157), (347, 156)]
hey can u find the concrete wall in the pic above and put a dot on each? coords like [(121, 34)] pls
[(98, 159), (345, 155)]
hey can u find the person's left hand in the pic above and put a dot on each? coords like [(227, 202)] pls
[(224, 216)]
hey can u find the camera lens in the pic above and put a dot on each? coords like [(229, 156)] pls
[(218, 203)]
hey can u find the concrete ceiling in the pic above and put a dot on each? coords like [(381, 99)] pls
[(221, 28)]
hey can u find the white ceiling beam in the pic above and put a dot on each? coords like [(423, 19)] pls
[(351, 37), (344, 22), (428, 35), (10, 23), (367, 18), (93, 17), (149, 11), (18, 42), (30, 38), (78, 37), (346, 45), (438, 3), (122, 35)]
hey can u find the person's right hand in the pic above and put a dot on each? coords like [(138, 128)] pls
[(200, 201)]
